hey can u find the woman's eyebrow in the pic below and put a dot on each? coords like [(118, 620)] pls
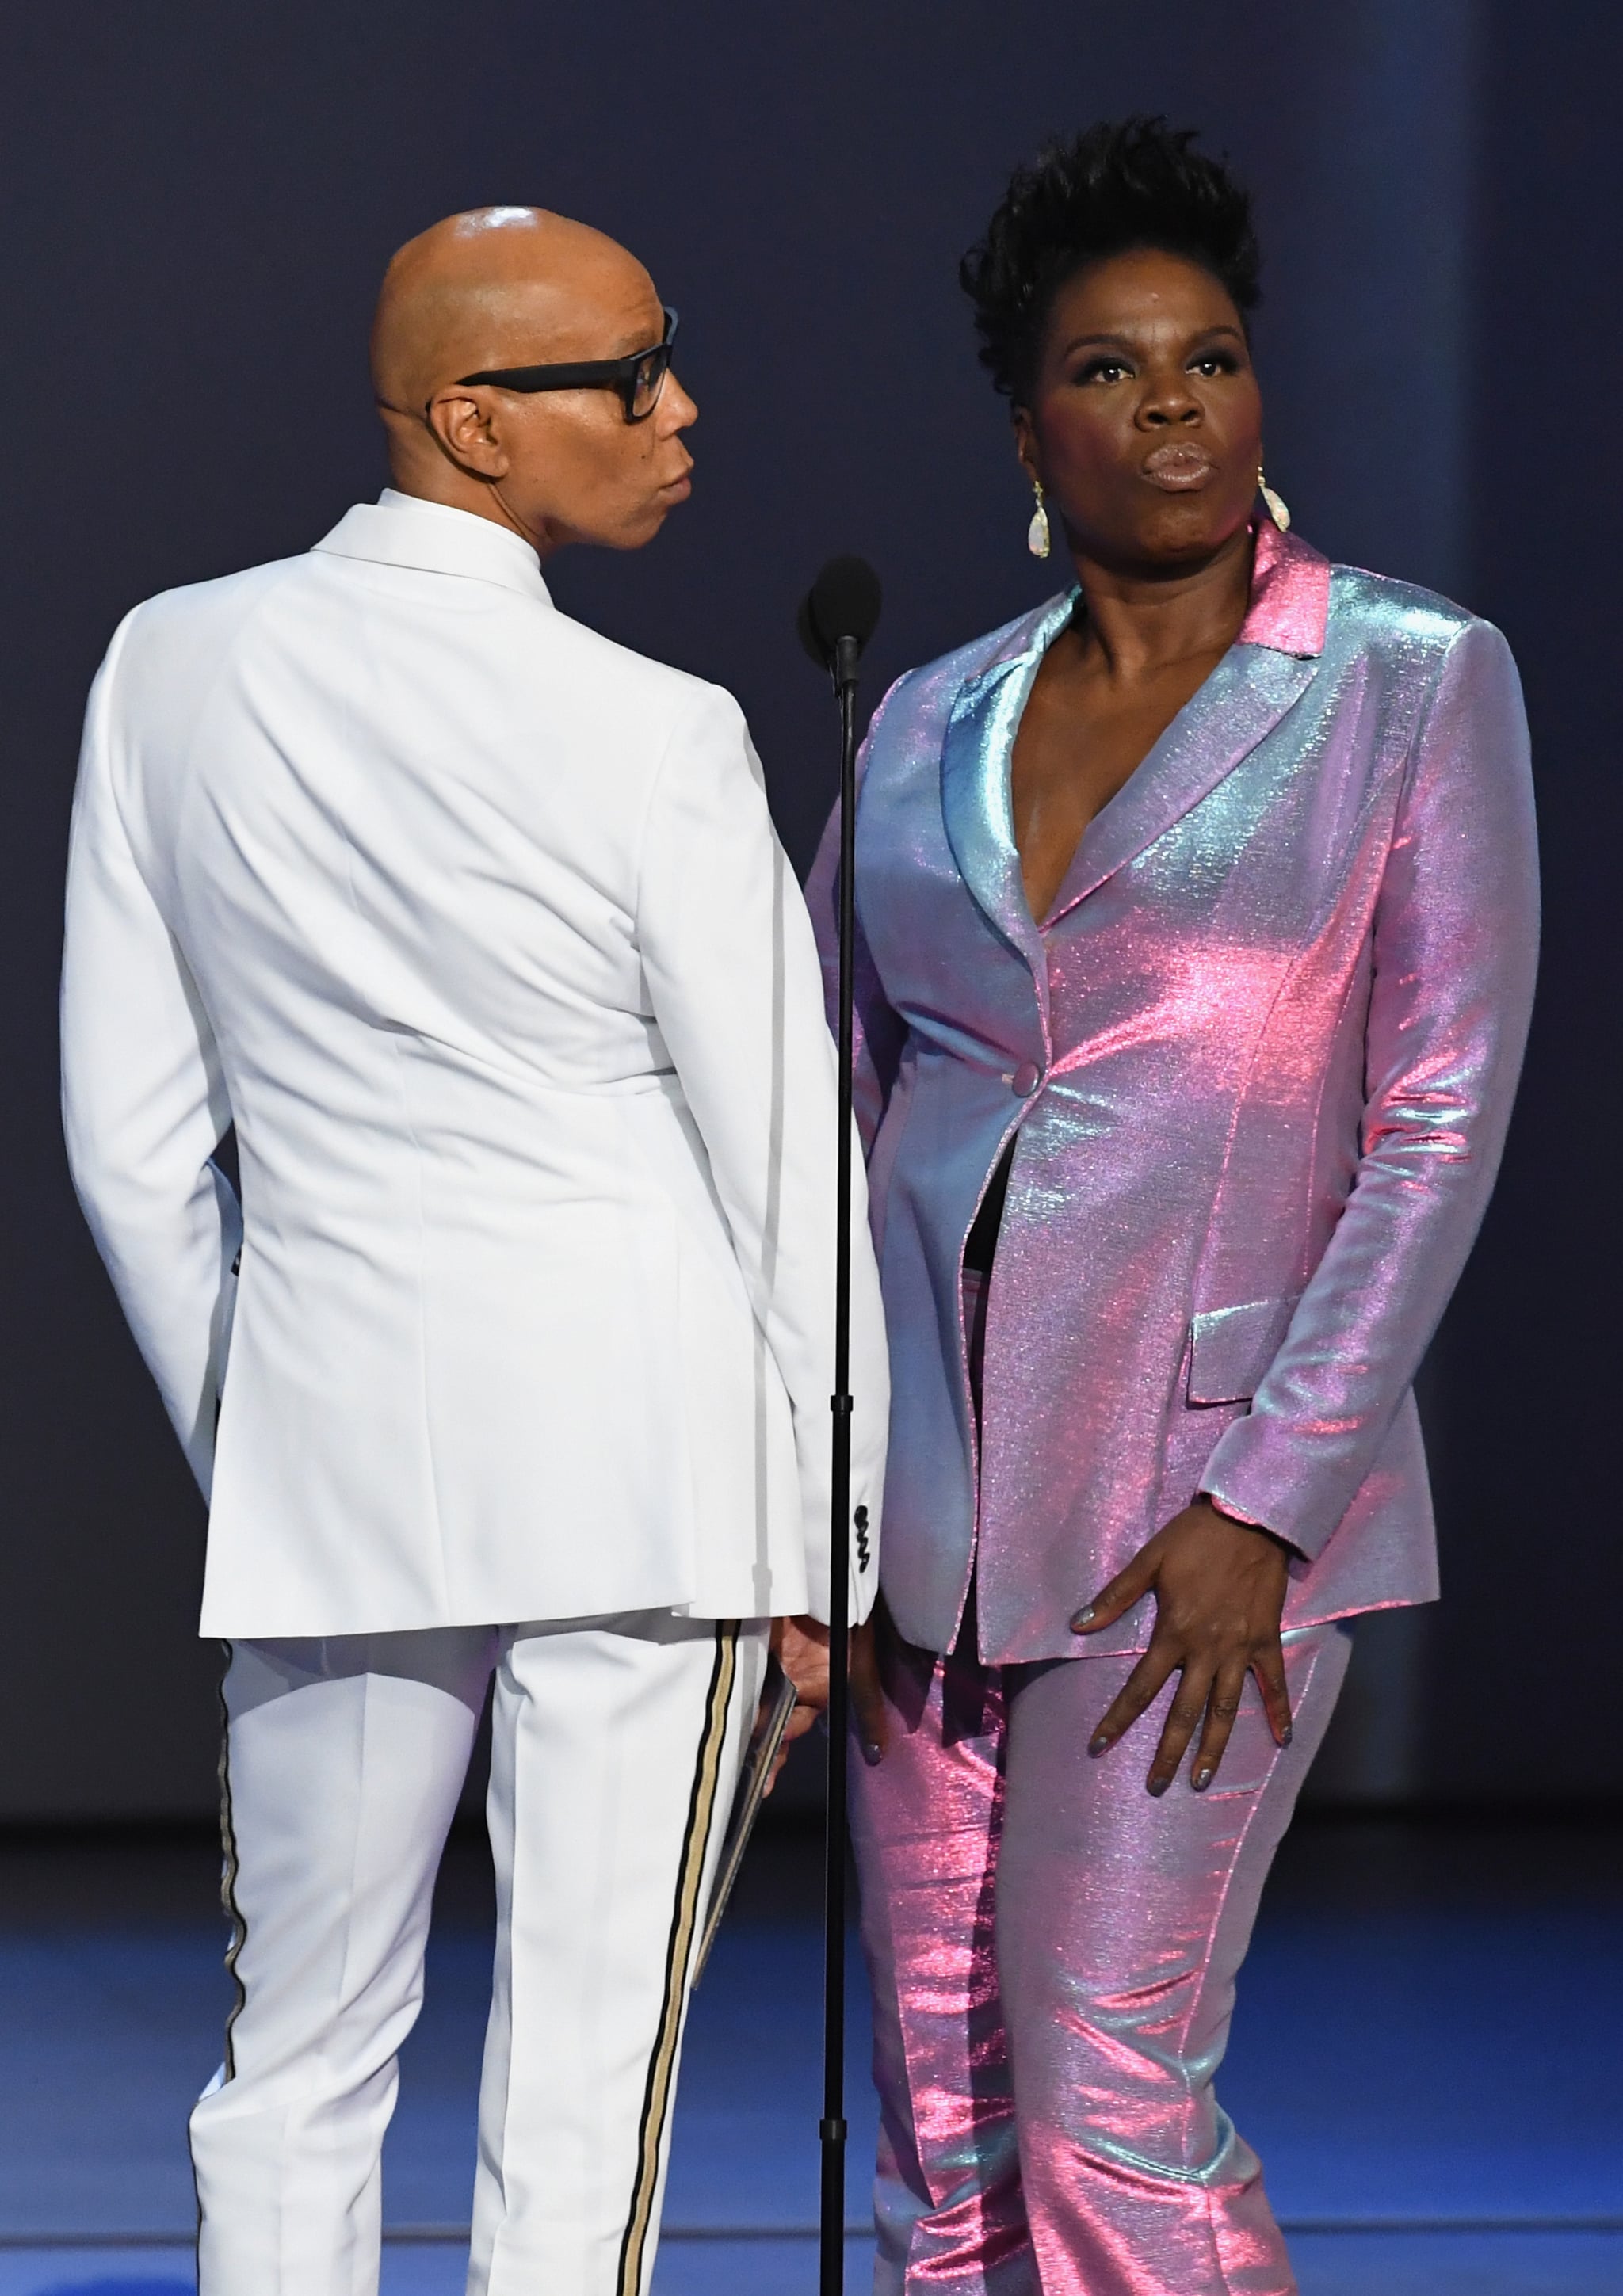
[(1109, 342), (1080, 342)]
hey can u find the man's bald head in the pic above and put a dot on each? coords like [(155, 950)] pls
[(503, 287), (517, 287)]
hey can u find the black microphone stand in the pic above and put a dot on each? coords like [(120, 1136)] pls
[(831, 2273)]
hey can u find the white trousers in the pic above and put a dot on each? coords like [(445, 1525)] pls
[(616, 1746)]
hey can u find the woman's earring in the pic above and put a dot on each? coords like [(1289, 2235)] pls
[(1039, 541), (1277, 509)]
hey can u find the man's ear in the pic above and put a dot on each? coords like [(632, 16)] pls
[(468, 433)]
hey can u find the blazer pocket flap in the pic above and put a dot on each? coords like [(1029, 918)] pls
[(1231, 1348)]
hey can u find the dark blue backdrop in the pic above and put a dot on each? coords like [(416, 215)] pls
[(199, 200)]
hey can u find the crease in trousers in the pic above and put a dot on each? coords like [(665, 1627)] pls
[(616, 1744)]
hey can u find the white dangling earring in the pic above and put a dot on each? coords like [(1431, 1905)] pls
[(1039, 541), (1278, 510)]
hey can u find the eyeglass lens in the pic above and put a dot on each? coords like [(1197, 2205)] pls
[(648, 380)]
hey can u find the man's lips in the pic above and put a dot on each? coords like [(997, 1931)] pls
[(1179, 469)]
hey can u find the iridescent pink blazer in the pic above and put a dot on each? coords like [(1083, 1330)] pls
[(1259, 1059)]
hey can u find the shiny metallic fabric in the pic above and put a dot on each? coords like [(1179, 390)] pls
[(1053, 1955), (1259, 1059)]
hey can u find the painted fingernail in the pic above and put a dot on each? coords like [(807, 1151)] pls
[(1202, 1780), (1098, 1745), (1157, 1786), (1084, 1618), (1290, 1734), (872, 1753)]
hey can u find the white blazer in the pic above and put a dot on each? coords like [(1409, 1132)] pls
[(476, 926)]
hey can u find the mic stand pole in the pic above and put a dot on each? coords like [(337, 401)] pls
[(831, 2280)]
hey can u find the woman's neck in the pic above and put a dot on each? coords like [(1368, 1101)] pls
[(1139, 622)]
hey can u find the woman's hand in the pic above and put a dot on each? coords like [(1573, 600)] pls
[(867, 1691), (801, 1646), (1220, 1590)]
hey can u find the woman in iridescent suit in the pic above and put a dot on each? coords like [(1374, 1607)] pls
[(1199, 917)]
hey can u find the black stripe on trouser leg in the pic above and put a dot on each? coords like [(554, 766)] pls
[(227, 1893), (228, 1874), (679, 1954)]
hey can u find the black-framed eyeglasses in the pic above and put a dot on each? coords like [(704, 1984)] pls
[(638, 378)]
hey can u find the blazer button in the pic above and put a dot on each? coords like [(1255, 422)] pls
[(1027, 1078)]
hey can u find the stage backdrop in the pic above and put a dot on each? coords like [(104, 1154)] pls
[(199, 202)]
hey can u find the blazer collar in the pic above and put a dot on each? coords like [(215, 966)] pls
[(404, 531), (1289, 608), (974, 787), (1268, 667), (1242, 701)]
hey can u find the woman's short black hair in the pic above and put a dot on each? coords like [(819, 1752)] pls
[(1118, 185)]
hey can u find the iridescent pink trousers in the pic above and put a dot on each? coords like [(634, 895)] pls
[(1053, 1954)]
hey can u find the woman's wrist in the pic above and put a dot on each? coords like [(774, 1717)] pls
[(1241, 1522)]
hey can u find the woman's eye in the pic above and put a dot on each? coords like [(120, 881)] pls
[(1103, 370), (1211, 363)]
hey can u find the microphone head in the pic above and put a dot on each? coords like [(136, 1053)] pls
[(843, 603)]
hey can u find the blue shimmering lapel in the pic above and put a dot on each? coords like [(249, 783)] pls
[(975, 767), (1241, 702)]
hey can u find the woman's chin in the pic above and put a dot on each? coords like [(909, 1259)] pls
[(1188, 531)]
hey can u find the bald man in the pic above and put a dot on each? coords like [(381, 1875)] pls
[(474, 925)]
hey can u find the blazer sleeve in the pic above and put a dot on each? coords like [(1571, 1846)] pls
[(1454, 954), (729, 954), (143, 1101), (878, 1031)]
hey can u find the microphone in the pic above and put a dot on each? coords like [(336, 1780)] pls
[(838, 615)]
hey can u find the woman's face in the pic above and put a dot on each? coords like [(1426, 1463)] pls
[(1145, 421)]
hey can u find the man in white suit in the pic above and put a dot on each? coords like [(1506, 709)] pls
[(474, 926)]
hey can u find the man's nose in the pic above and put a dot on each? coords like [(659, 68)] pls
[(677, 408)]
